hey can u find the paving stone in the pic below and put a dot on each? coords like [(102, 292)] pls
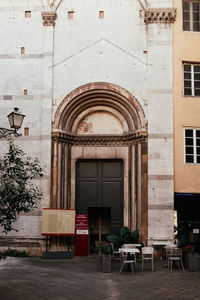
[(81, 278)]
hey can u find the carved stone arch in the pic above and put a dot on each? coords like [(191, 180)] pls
[(128, 145), (98, 94)]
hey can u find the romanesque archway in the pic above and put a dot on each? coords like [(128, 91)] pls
[(101, 121)]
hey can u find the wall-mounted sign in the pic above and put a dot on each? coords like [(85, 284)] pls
[(195, 230), (78, 231), (58, 221), (81, 223), (81, 237)]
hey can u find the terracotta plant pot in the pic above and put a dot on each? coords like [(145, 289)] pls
[(191, 262), (106, 263)]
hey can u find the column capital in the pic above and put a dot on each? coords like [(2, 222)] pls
[(49, 18)]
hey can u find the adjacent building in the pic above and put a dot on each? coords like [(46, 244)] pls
[(95, 81), (186, 41)]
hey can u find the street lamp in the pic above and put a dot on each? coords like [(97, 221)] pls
[(15, 119)]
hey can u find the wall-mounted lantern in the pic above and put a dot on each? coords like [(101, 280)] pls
[(15, 119)]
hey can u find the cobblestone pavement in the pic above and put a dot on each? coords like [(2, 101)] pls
[(82, 279)]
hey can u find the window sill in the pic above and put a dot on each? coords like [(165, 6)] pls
[(185, 96), (191, 31), (191, 164)]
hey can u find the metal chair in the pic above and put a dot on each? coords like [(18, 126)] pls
[(131, 246), (126, 260), (147, 255), (168, 249), (175, 255)]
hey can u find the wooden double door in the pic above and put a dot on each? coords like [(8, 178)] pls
[(99, 193)]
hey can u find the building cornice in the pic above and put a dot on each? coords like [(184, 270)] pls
[(99, 140), (160, 15)]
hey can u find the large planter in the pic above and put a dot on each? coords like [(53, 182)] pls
[(191, 262), (106, 263)]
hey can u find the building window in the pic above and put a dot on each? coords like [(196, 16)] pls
[(22, 50), (28, 14), (191, 75), (192, 146), (191, 15), (70, 14), (101, 14)]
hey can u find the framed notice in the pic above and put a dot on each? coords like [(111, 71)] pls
[(58, 221)]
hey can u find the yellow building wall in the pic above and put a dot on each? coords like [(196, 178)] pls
[(186, 109)]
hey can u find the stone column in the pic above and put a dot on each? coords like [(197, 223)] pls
[(54, 175), (46, 101), (133, 206), (144, 194), (160, 123)]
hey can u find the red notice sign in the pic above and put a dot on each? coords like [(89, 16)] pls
[(81, 223), (81, 237)]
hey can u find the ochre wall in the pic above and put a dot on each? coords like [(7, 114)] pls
[(186, 109)]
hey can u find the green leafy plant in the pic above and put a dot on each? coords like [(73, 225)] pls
[(18, 193), (189, 249), (13, 253), (125, 237), (180, 236), (104, 247)]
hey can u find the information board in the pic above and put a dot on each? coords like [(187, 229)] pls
[(81, 224), (81, 237), (58, 221)]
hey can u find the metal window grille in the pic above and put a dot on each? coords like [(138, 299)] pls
[(191, 15), (192, 146)]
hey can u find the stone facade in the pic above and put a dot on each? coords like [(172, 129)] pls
[(80, 70)]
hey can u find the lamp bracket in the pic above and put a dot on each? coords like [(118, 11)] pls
[(4, 132)]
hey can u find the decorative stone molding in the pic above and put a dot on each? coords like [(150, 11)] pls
[(160, 15), (49, 18), (100, 140), (106, 94)]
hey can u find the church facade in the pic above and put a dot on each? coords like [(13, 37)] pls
[(94, 80)]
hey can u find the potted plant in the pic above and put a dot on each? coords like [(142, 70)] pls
[(105, 249), (125, 237), (191, 258)]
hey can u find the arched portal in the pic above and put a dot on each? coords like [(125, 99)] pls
[(100, 123)]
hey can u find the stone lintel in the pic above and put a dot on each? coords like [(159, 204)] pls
[(49, 18), (102, 140), (160, 15)]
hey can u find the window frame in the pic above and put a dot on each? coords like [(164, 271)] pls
[(191, 20), (193, 73), (195, 155)]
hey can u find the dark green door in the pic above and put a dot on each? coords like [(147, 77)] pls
[(99, 183)]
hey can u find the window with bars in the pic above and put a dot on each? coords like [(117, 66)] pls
[(192, 146), (191, 15), (191, 75)]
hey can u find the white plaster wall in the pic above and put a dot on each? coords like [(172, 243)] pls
[(82, 50), (19, 72), (89, 49)]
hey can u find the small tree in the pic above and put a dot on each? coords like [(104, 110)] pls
[(17, 191)]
